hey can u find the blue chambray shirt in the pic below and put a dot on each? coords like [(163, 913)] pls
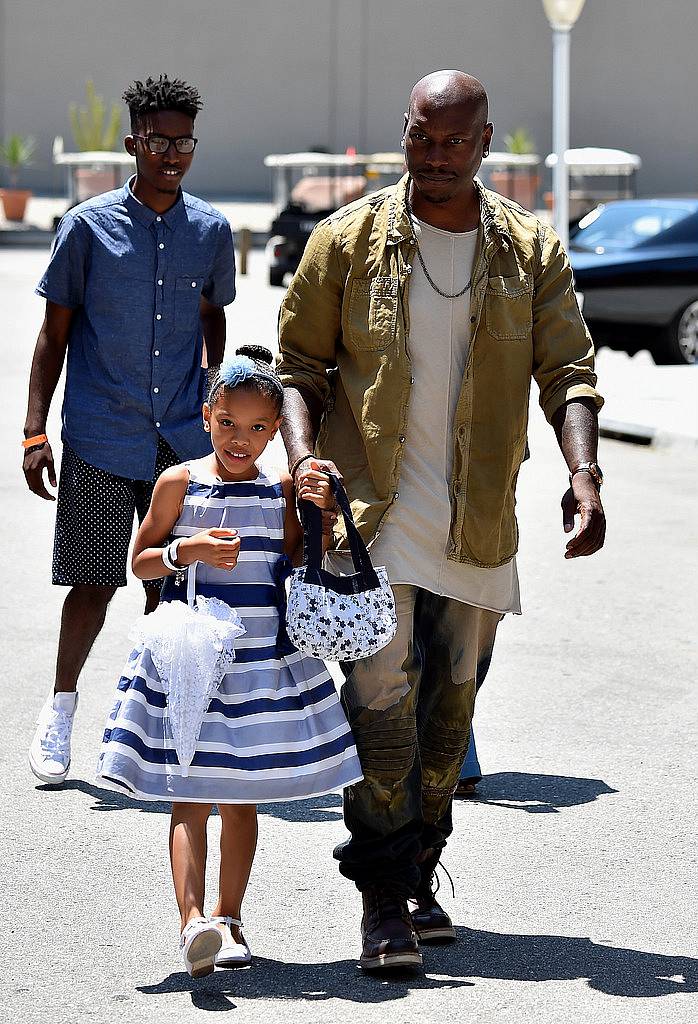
[(135, 279)]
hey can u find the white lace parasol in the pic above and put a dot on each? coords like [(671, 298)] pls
[(192, 646)]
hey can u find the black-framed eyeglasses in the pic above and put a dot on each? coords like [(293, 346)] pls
[(159, 144)]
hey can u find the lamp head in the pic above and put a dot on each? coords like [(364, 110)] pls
[(562, 14)]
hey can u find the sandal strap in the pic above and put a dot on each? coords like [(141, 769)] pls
[(189, 926), (232, 922)]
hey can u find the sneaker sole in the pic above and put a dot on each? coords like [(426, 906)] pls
[(389, 960), (201, 955), (48, 780)]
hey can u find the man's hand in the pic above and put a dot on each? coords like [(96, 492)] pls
[(582, 498), (217, 547), (34, 464), (313, 485)]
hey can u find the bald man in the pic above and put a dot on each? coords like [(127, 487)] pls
[(409, 336)]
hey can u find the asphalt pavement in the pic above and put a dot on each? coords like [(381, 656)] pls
[(574, 872)]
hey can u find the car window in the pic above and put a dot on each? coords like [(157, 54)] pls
[(623, 226)]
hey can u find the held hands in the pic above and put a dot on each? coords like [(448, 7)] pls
[(216, 547), (313, 485), (582, 498), (35, 462)]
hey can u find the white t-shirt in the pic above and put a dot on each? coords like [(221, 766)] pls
[(413, 540)]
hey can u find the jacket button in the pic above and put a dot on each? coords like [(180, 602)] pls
[(411, 380), (396, 495), (472, 319), (401, 439)]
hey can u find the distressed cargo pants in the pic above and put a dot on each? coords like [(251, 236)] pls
[(410, 708)]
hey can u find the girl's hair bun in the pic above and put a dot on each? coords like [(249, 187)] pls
[(258, 352)]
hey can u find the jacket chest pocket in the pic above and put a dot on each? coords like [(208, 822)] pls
[(187, 299), (372, 313), (509, 307)]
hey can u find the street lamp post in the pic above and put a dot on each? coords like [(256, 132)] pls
[(562, 15)]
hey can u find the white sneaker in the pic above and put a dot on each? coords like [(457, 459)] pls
[(199, 943), (232, 953), (49, 753)]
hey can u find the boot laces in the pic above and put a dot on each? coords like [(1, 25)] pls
[(433, 883)]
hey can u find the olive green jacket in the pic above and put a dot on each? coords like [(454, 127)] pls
[(345, 337)]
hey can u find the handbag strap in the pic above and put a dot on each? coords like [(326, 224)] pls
[(311, 517), (191, 584)]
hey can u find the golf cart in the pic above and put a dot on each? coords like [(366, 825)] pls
[(310, 186)]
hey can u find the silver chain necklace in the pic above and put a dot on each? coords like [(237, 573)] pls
[(428, 276)]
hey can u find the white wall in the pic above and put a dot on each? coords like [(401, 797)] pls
[(280, 76)]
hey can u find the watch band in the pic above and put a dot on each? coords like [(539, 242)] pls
[(594, 471)]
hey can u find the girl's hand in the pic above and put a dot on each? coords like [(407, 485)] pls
[(315, 486), (218, 548)]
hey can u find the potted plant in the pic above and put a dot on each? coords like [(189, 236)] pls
[(95, 130), (16, 151), (518, 183)]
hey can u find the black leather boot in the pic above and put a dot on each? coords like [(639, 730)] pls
[(387, 933), (430, 920)]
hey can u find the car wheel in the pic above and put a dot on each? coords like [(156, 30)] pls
[(678, 342), (276, 276)]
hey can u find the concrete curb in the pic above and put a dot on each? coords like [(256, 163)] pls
[(641, 434)]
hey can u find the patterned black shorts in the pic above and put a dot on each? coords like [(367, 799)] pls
[(94, 520)]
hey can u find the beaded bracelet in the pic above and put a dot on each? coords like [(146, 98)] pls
[(296, 464)]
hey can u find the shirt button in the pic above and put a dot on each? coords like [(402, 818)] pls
[(161, 245), (396, 495), (401, 439), (158, 219), (156, 391), (411, 380), (472, 319), (157, 352), (157, 423), (160, 282), (158, 316), (193, 284)]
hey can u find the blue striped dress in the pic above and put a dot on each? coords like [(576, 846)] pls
[(276, 729)]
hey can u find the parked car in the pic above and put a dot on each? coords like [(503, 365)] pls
[(635, 263)]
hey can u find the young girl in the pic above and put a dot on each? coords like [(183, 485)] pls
[(275, 729)]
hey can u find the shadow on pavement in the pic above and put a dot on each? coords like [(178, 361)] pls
[(478, 954), (108, 799), (270, 979), (322, 808), (538, 794), (319, 808), (615, 971)]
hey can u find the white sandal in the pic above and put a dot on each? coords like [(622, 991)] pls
[(232, 953), (199, 943)]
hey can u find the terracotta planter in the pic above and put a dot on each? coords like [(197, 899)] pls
[(521, 187), (14, 201)]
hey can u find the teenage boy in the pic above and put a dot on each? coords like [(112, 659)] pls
[(134, 289)]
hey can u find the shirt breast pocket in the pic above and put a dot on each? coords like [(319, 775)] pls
[(372, 313), (186, 304), (509, 307)]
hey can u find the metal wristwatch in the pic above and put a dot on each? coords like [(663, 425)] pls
[(594, 471)]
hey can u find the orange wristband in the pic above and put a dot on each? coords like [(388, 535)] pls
[(32, 441)]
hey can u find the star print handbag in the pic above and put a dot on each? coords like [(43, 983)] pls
[(338, 618)]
